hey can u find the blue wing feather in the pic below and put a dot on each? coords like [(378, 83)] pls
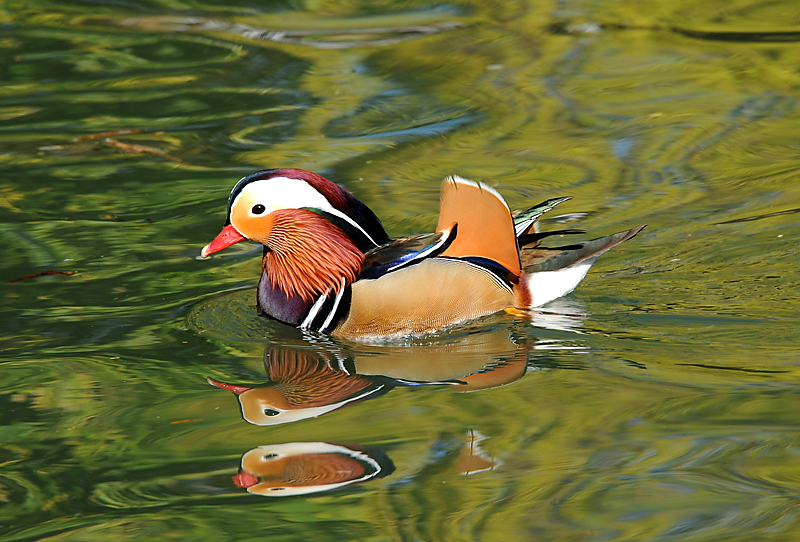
[(405, 251)]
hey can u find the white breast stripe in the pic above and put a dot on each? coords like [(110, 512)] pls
[(336, 301), (312, 312)]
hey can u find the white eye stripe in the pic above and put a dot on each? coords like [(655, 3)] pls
[(288, 193), (351, 222)]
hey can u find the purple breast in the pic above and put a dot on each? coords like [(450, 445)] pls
[(275, 303)]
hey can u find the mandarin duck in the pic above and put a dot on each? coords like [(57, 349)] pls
[(329, 266)]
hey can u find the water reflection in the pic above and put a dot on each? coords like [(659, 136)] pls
[(641, 122), (302, 384), (300, 468), (473, 459), (308, 382), (562, 314), (313, 375)]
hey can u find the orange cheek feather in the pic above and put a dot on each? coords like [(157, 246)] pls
[(308, 255)]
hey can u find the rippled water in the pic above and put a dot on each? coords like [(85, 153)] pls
[(657, 402)]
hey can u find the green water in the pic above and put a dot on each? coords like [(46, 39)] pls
[(660, 402)]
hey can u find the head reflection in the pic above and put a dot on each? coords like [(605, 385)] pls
[(303, 384), (300, 468)]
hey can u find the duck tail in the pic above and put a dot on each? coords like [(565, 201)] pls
[(549, 273)]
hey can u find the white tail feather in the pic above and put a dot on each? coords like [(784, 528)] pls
[(546, 286)]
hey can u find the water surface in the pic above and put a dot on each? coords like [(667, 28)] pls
[(657, 402)]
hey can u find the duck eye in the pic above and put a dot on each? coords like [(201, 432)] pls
[(271, 412), (258, 209), (270, 456)]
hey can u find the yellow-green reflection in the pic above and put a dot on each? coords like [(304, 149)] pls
[(672, 415), (301, 468), (306, 382)]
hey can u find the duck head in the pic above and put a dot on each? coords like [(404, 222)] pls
[(314, 232)]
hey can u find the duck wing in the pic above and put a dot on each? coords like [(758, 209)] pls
[(549, 273), (485, 226), (404, 251), (525, 220)]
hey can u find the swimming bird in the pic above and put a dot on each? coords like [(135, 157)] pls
[(329, 266)]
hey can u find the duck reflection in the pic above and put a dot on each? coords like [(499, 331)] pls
[(300, 468), (562, 314), (303, 384), (306, 383), (308, 379), (472, 459)]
